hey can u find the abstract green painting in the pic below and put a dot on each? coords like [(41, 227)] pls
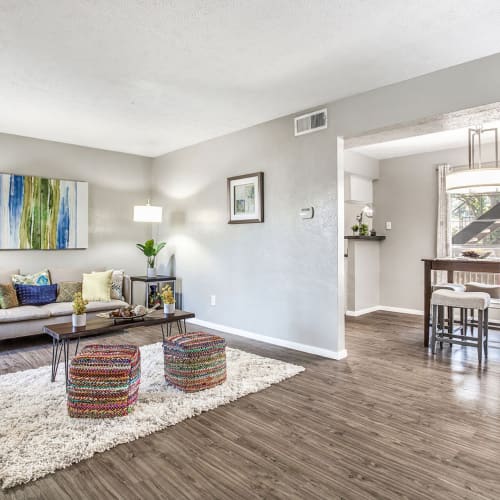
[(42, 214)]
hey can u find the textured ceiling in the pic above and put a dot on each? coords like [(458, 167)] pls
[(148, 77)]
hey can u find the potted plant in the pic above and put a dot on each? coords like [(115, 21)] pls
[(355, 229), (363, 229), (150, 250), (79, 316), (167, 295)]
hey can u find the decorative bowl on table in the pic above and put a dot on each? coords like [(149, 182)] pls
[(475, 254), (127, 313)]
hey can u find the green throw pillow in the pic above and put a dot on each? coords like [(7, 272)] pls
[(67, 289), (41, 278), (8, 297)]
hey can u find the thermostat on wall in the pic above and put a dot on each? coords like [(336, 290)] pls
[(307, 213)]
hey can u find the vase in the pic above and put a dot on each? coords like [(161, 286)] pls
[(151, 272), (169, 308), (79, 319)]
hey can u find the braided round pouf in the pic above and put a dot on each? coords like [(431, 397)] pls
[(104, 381), (195, 361)]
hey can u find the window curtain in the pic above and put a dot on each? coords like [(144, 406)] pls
[(443, 240)]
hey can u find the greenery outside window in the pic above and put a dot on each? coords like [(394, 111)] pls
[(475, 223)]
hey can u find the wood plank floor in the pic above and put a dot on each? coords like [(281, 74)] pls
[(388, 422)]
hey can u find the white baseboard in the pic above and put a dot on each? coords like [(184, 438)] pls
[(400, 310), (326, 353), (360, 312)]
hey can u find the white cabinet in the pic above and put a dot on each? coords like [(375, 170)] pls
[(358, 189)]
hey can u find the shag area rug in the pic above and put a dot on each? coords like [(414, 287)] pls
[(38, 437)]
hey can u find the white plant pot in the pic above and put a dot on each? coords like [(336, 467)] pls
[(79, 319), (151, 272), (169, 308)]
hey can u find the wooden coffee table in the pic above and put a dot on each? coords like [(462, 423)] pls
[(63, 333)]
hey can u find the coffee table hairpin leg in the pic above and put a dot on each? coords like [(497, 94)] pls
[(61, 347), (56, 356), (182, 329)]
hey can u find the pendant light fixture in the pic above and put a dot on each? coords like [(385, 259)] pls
[(476, 179), (147, 213)]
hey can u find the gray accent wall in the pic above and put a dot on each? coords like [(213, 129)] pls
[(274, 278), (116, 182)]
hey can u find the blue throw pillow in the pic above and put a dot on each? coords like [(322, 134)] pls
[(36, 295)]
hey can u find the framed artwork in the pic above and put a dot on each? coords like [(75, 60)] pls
[(246, 198), (37, 213)]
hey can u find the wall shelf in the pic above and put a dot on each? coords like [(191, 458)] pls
[(365, 238)]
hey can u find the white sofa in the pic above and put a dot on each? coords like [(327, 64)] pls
[(29, 320)]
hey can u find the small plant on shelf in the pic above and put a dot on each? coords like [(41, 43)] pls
[(167, 296), (355, 229), (363, 230), (151, 250)]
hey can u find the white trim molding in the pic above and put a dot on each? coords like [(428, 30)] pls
[(319, 351), (401, 310), (361, 312)]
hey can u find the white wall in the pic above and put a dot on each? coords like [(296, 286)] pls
[(252, 268), (116, 182)]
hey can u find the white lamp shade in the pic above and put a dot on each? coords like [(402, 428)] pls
[(147, 213), (473, 180)]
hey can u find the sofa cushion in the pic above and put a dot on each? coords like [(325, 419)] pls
[(40, 278), (67, 290), (6, 275), (65, 308), (8, 296), (97, 286), (23, 313), (117, 284), (34, 295)]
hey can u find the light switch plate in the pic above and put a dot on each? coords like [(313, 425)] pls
[(388, 225), (307, 213)]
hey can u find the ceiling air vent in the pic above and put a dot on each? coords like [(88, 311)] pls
[(311, 122)]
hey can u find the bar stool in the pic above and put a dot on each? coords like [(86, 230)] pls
[(454, 287), (492, 290), (479, 301)]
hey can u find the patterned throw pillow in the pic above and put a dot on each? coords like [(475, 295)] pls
[(8, 297), (117, 284), (36, 295), (67, 290), (41, 278)]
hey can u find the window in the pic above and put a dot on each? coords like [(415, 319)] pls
[(475, 223)]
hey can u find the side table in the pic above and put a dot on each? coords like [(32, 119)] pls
[(160, 278)]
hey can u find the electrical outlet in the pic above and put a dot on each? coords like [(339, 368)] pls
[(212, 300), (388, 225)]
